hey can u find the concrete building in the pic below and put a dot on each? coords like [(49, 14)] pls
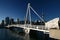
[(52, 24)]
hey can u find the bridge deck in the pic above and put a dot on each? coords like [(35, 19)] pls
[(34, 27)]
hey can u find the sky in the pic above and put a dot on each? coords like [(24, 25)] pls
[(17, 8)]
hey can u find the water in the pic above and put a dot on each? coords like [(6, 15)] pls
[(6, 34)]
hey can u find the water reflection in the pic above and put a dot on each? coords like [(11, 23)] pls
[(6, 34)]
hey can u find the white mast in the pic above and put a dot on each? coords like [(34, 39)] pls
[(28, 13)]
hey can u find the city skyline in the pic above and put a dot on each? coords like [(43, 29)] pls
[(17, 8), (10, 21)]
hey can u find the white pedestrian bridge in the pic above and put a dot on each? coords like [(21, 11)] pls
[(27, 28)]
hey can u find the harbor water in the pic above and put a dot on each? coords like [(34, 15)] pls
[(7, 34)]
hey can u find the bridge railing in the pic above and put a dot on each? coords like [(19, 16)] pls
[(28, 26)]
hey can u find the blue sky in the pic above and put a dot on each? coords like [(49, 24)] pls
[(17, 8)]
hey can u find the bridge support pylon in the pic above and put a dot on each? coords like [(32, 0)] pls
[(27, 30)]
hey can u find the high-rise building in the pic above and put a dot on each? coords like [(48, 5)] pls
[(7, 20), (18, 21), (11, 21), (2, 23)]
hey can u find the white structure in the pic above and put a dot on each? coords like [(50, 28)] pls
[(52, 24), (29, 14)]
